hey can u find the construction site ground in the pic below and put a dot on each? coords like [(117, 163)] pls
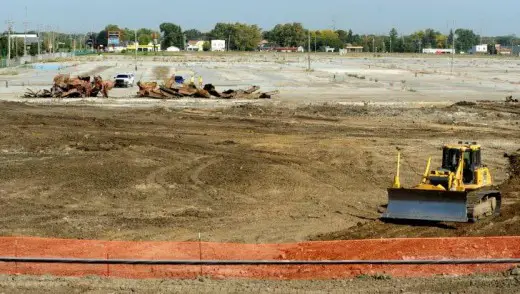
[(311, 164), (499, 283)]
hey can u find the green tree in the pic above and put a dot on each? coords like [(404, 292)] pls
[(172, 35), (246, 37), (505, 40), (206, 46), (451, 36), (289, 35), (393, 35), (101, 38), (243, 37), (3, 46), (193, 34), (34, 49), (222, 31), (326, 38), (145, 36), (343, 36), (441, 41), (466, 39)]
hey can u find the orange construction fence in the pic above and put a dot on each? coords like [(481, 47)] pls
[(384, 249)]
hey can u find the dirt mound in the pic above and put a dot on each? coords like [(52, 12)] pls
[(95, 145), (465, 103), (514, 165), (333, 110)]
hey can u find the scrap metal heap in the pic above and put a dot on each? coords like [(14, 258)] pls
[(171, 90), (79, 87)]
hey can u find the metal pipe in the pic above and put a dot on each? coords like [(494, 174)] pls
[(255, 262)]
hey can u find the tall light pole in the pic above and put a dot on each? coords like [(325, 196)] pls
[(25, 23), (136, 46), (453, 49), (453, 53), (25, 38), (39, 36), (9, 27), (309, 52)]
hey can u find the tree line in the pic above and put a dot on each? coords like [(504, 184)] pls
[(246, 37)]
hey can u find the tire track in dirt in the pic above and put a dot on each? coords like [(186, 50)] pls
[(194, 176)]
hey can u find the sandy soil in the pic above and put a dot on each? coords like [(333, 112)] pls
[(334, 78), (312, 164), (500, 283), (240, 174)]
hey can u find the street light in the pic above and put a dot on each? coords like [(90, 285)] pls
[(136, 46), (455, 36)]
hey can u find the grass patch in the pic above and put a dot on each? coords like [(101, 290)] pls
[(9, 73)]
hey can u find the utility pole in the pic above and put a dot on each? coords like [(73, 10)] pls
[(25, 23), (25, 38), (136, 46), (453, 54), (373, 44), (229, 43), (39, 36), (309, 52), (9, 27), (453, 48)]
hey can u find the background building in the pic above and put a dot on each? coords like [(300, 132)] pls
[(218, 45), (479, 49), (195, 45)]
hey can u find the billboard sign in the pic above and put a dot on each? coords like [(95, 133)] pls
[(114, 38)]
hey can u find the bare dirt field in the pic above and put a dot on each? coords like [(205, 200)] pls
[(241, 174), (312, 164), (500, 283)]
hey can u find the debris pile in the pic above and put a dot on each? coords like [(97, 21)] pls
[(510, 99), (79, 87), (514, 164), (172, 90)]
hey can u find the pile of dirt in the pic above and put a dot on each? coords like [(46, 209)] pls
[(514, 166)]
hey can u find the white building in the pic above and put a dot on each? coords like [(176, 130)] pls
[(437, 51), (479, 49), (329, 49), (195, 45), (218, 45)]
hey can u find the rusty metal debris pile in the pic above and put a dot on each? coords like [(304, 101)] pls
[(78, 87), (171, 90)]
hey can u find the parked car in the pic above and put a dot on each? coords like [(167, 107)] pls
[(124, 80)]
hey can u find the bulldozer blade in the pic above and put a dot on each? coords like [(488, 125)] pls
[(427, 205)]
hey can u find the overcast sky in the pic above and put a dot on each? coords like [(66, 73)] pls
[(363, 17)]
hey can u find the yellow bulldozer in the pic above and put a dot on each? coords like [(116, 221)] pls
[(460, 191)]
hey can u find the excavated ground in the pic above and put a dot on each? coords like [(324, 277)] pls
[(237, 174), (500, 283)]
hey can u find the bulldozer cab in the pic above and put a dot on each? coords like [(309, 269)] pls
[(471, 154)]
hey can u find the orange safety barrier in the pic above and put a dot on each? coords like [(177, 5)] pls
[(384, 249)]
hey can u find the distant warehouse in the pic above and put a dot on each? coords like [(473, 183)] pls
[(479, 49), (438, 51)]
